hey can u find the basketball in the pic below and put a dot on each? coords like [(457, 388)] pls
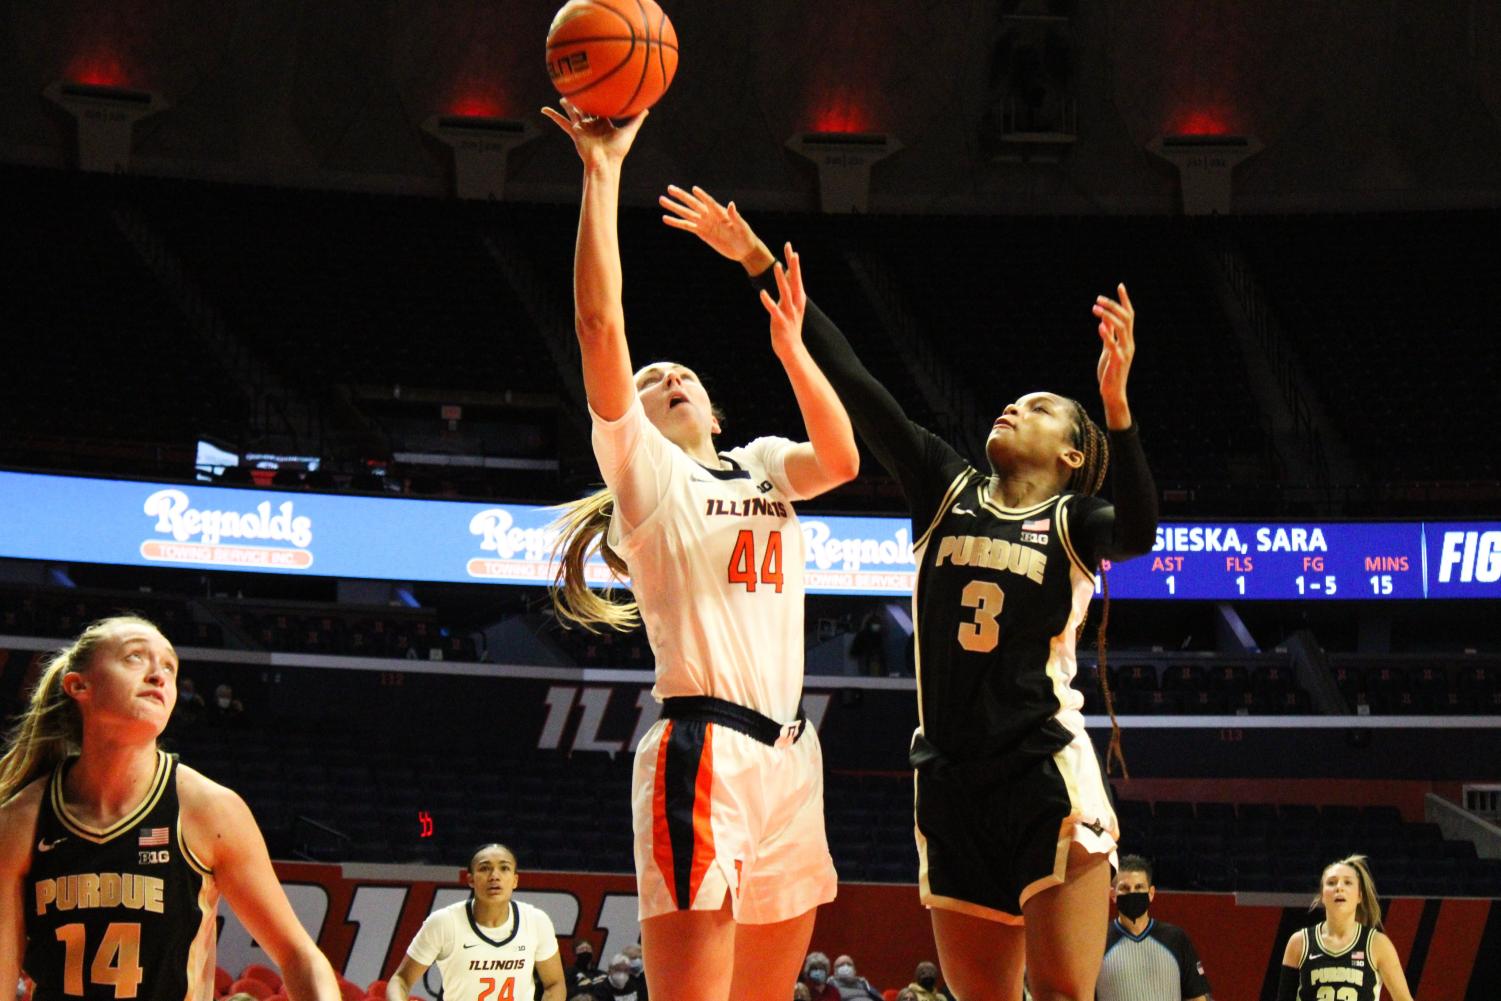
[(612, 58)]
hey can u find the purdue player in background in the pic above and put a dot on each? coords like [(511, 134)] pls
[(113, 855), (727, 792), (1345, 957), (488, 946), (1014, 826)]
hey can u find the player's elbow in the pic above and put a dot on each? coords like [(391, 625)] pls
[(597, 325), (841, 467)]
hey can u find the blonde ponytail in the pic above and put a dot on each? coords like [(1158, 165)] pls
[(51, 728), (582, 528)]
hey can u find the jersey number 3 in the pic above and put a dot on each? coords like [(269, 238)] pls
[(117, 964), (987, 599), (743, 560), (507, 990)]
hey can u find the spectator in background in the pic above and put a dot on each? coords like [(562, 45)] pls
[(850, 985), (584, 973), (816, 977), (621, 983), (226, 710), (1146, 959), (868, 648), (190, 708), (906, 994), (924, 984), (633, 953), (800, 992)]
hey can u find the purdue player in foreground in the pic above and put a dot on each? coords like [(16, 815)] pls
[(487, 946), (1345, 957), (113, 855), (727, 791), (1013, 821)]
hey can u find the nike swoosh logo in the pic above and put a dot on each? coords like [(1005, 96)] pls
[(962, 510), (470, 945), (43, 845)]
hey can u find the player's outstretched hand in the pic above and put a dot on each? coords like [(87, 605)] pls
[(720, 226), (791, 303), (1118, 338), (595, 137)]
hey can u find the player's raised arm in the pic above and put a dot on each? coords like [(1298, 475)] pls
[(599, 318)]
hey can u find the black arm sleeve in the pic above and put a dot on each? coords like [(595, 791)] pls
[(921, 462), (1287, 984), (1129, 526)]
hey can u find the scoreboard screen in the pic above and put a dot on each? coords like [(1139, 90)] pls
[(1338, 560)]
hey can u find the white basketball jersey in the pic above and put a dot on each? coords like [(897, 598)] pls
[(716, 565), (485, 964)]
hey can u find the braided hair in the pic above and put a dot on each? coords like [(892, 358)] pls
[(1091, 439)]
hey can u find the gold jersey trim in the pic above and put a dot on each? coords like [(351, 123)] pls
[(1010, 513), (1065, 535), (98, 835)]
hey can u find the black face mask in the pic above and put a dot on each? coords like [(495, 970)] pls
[(1132, 905), (586, 960), (927, 983)]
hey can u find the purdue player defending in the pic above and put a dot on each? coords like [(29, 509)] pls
[(731, 854), (1014, 824), (113, 855), (487, 946), (1345, 957)]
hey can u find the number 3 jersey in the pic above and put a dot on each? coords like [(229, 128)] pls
[(716, 564), (999, 598), (123, 912), (480, 963)]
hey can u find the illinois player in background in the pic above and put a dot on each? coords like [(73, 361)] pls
[(488, 946), (1014, 827), (1346, 956), (727, 791), (113, 855)]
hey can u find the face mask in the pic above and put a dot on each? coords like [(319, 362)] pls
[(223, 702), (619, 979), (927, 983), (818, 976), (586, 960), (636, 965), (1132, 905), (844, 971)]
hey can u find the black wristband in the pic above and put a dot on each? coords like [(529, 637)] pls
[(1287, 984)]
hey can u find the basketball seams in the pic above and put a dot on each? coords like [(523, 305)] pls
[(600, 39)]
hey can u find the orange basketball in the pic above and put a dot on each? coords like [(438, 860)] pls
[(612, 58)]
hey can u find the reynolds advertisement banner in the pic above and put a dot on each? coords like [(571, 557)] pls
[(88, 520)]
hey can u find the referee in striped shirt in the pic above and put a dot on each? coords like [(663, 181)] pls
[(1146, 959)]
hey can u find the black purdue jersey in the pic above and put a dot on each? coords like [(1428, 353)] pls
[(1349, 975), (1000, 594), (122, 913)]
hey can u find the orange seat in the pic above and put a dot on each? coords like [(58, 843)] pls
[(890, 993), (263, 973), (222, 980), (249, 985), (351, 991), (377, 989)]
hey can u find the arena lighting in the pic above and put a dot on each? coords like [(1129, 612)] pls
[(106, 116), (1205, 164), (844, 160), (481, 144)]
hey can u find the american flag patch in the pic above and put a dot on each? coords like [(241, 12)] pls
[(1037, 525), (1357, 956), (152, 837)]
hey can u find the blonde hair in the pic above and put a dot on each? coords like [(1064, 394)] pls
[(1368, 911), (50, 729), (582, 528)]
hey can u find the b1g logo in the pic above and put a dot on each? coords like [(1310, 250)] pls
[(155, 858)]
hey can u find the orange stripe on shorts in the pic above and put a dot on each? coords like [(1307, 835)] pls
[(703, 828), (661, 838)]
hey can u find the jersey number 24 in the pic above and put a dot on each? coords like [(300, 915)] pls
[(507, 990)]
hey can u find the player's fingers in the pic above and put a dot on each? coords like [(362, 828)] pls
[(733, 213), (780, 273), (1113, 308), (677, 208), (707, 199), (686, 197), (677, 223), (769, 303), (561, 121), (1125, 298)]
